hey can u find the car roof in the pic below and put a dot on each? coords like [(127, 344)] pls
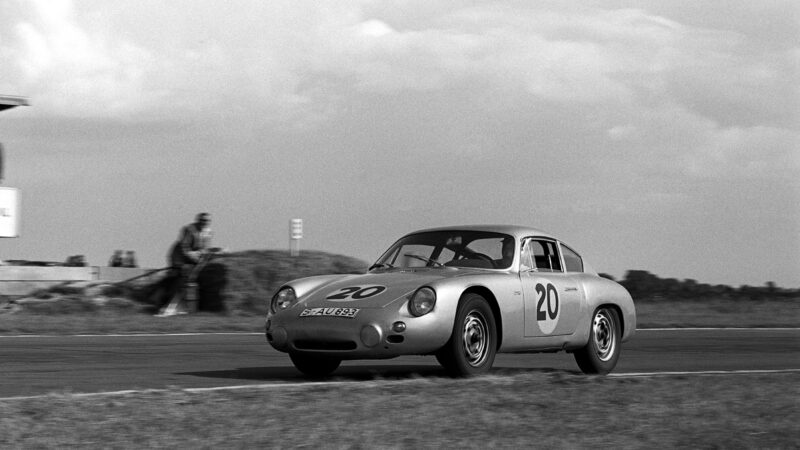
[(517, 231)]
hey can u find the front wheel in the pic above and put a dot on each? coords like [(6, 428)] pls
[(314, 366), (473, 344), (599, 356)]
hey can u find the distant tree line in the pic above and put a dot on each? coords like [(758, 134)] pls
[(645, 285)]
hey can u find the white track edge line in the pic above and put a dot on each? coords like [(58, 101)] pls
[(720, 329), (701, 372), (262, 386), (311, 384), (242, 333)]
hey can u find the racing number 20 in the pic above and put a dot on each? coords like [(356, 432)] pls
[(547, 295), (356, 292)]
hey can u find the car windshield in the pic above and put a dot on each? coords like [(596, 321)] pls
[(451, 248)]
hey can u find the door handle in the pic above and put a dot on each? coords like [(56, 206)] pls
[(570, 289)]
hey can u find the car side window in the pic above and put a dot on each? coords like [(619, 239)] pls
[(526, 258), (572, 260), (544, 254)]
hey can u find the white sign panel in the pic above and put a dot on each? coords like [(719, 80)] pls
[(296, 229), (9, 212)]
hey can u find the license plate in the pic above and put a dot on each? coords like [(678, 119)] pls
[(330, 312)]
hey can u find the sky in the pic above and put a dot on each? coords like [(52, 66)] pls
[(650, 135)]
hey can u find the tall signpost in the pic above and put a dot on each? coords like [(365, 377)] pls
[(295, 234), (9, 197), (9, 212)]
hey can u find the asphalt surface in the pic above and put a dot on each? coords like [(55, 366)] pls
[(85, 364)]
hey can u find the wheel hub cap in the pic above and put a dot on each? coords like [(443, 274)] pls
[(604, 337), (475, 338)]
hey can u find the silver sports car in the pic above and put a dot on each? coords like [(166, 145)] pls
[(459, 293)]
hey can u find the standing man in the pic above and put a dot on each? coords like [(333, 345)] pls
[(192, 242), (187, 257)]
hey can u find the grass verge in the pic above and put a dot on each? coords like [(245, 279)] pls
[(651, 314), (521, 410), (127, 323), (718, 312)]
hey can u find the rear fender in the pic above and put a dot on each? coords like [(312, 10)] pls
[(604, 292)]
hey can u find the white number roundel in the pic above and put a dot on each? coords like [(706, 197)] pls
[(352, 293), (547, 308)]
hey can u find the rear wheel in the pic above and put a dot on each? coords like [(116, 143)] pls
[(473, 344), (600, 354), (314, 366)]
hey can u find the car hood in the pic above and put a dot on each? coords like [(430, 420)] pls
[(372, 290)]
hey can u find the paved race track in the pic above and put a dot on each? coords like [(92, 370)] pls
[(84, 364)]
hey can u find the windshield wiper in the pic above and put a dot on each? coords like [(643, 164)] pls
[(426, 259), (380, 265)]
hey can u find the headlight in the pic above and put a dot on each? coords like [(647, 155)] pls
[(284, 299), (422, 302)]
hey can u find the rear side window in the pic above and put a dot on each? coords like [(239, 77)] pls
[(572, 261)]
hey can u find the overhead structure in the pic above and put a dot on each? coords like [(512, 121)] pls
[(11, 101)]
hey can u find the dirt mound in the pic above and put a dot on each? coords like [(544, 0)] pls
[(238, 283), (72, 298), (245, 282)]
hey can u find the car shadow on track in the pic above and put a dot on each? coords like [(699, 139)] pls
[(357, 373)]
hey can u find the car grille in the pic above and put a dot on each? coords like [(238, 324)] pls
[(310, 344)]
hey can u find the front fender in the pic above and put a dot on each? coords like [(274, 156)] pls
[(304, 286), (504, 295)]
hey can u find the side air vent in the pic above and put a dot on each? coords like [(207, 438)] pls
[(395, 339)]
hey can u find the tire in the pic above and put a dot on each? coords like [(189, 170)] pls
[(599, 356), (473, 343), (314, 366)]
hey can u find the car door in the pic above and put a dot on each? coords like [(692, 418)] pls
[(552, 297)]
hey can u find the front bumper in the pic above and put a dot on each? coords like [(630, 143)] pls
[(370, 335)]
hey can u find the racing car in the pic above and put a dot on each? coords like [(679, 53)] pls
[(462, 294)]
